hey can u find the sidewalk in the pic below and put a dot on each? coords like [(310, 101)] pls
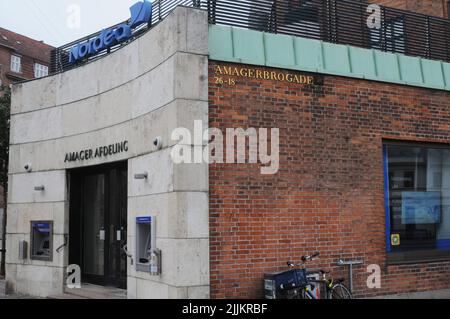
[(17, 297), (436, 294)]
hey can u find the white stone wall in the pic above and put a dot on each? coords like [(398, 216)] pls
[(146, 89)]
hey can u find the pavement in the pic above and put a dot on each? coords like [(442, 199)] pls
[(436, 294), (96, 292), (17, 297)]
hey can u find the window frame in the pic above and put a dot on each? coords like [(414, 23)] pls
[(391, 37), (413, 256), (40, 68), (16, 62)]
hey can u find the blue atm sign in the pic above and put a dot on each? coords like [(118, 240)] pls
[(141, 13), (144, 220)]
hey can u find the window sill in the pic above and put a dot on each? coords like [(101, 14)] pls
[(15, 75), (417, 257)]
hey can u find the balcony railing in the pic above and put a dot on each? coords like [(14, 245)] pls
[(335, 21)]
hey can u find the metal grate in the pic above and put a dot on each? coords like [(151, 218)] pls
[(335, 21)]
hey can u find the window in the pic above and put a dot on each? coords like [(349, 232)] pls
[(302, 10), (16, 64), (417, 194), (390, 37), (301, 18), (40, 70)]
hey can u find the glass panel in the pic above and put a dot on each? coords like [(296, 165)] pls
[(123, 200), (94, 213), (392, 33), (118, 223), (16, 62), (40, 70), (419, 201)]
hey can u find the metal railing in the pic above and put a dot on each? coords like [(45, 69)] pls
[(339, 21), (335, 21)]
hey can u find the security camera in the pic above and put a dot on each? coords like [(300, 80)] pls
[(158, 143), (28, 167)]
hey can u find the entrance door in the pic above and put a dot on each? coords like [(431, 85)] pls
[(98, 223)]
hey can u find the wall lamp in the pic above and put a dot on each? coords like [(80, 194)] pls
[(39, 188), (141, 176)]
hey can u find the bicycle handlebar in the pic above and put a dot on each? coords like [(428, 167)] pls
[(310, 257), (304, 259)]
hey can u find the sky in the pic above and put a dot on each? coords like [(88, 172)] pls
[(58, 22)]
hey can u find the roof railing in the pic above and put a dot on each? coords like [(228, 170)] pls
[(336, 21)]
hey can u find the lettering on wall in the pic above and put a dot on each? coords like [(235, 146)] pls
[(229, 75), (99, 152)]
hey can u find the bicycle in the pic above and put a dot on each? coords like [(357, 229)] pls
[(304, 288)]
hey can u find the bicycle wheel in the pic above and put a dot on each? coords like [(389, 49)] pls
[(339, 291)]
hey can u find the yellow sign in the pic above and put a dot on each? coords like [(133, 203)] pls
[(233, 72), (395, 239)]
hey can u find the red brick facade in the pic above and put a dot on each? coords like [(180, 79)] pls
[(328, 194), (437, 8), (30, 51)]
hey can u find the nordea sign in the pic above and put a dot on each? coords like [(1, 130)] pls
[(141, 13)]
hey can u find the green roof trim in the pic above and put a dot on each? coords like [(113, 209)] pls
[(230, 44)]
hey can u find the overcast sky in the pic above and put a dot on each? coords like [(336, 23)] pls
[(56, 21)]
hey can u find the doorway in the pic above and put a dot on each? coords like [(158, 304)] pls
[(98, 223)]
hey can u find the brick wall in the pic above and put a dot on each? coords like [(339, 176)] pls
[(27, 66), (328, 195), (435, 8)]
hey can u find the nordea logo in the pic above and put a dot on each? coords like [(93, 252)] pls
[(141, 13)]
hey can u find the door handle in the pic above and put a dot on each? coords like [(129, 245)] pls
[(121, 234), (102, 234)]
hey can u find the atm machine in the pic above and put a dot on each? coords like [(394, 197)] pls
[(42, 240), (148, 257)]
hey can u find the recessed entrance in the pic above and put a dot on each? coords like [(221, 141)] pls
[(98, 223)]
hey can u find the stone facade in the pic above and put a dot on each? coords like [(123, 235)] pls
[(147, 89)]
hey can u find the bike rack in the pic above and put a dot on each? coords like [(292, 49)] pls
[(350, 265)]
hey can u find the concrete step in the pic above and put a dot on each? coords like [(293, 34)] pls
[(88, 291), (2, 287), (65, 296), (434, 294)]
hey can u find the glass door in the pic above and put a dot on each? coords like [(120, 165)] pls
[(98, 223), (94, 232), (117, 227)]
